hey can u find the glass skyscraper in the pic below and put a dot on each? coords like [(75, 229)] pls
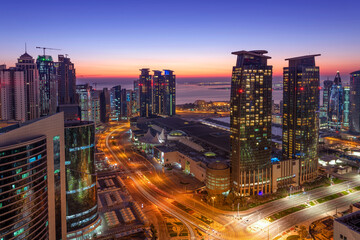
[(145, 93), (66, 81), (250, 123), (336, 104), (48, 85), (169, 93), (355, 102), (300, 119)]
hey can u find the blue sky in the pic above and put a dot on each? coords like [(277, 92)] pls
[(195, 38)]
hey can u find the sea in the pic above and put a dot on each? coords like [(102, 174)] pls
[(188, 90)]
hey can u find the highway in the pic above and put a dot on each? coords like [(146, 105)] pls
[(160, 191)]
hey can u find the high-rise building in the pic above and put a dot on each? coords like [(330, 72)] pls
[(355, 102), (123, 101), (136, 95), (346, 112), (81, 193), (116, 101), (105, 106), (250, 123), (95, 106), (32, 86), (131, 103), (32, 183), (84, 95), (12, 94), (336, 104), (324, 112), (169, 93), (48, 85), (145, 93), (66, 80), (300, 119), (158, 92)]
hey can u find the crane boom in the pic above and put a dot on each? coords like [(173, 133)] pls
[(43, 48)]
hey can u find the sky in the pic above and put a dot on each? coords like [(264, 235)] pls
[(194, 38)]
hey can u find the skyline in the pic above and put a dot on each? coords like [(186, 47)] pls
[(117, 39)]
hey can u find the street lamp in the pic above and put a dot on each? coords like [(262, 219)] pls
[(290, 191)]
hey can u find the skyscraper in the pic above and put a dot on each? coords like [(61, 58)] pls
[(123, 104), (116, 101), (324, 114), (12, 94), (32, 86), (346, 112), (169, 93), (105, 106), (250, 123), (145, 93), (95, 106), (158, 92), (355, 102), (336, 104), (137, 95), (300, 119), (48, 85), (84, 95), (66, 81)]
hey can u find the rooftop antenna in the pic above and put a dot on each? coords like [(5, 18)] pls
[(25, 48)]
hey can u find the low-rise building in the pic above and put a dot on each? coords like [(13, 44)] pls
[(347, 227)]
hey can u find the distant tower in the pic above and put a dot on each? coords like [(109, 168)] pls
[(145, 93), (105, 107), (158, 92), (32, 89), (48, 85), (346, 112), (116, 101), (355, 102), (300, 119), (336, 104), (250, 123), (66, 80), (169, 93), (84, 94)]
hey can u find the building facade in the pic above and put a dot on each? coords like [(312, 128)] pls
[(33, 192), (145, 93), (48, 85), (336, 104), (81, 193), (158, 92), (32, 86), (12, 94), (250, 123), (169, 93), (84, 95), (346, 112), (105, 105), (300, 119), (355, 102), (66, 81)]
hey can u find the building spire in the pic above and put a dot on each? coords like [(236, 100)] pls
[(25, 48)]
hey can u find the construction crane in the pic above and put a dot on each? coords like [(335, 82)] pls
[(43, 48)]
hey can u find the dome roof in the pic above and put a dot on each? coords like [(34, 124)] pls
[(218, 165)]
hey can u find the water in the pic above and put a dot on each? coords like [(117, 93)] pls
[(187, 90)]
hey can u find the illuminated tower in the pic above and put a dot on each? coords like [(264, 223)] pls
[(158, 92), (145, 93), (48, 85), (336, 104), (84, 95), (250, 123), (169, 93), (355, 102), (300, 119), (32, 92), (346, 112)]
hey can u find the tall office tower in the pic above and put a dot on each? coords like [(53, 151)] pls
[(250, 123), (346, 112), (355, 102), (84, 95), (326, 99), (116, 101), (145, 93), (169, 93), (123, 101), (95, 106), (81, 194), (32, 183), (66, 80), (32, 89), (48, 85), (281, 107), (300, 119), (137, 95), (105, 107), (336, 104), (12, 94), (130, 103), (158, 92)]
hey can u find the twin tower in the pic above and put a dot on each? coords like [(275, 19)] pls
[(251, 145)]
